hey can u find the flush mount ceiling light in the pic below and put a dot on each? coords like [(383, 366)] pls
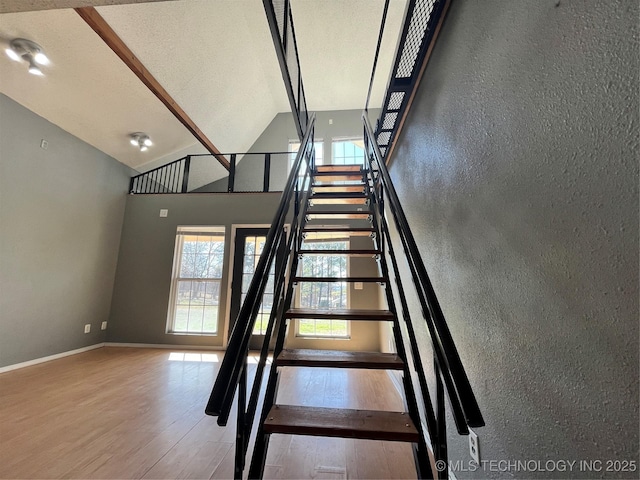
[(22, 49), (140, 140)]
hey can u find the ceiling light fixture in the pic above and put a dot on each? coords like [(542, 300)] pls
[(22, 49), (140, 140)]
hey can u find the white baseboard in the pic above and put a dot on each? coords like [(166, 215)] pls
[(36, 361), (164, 345)]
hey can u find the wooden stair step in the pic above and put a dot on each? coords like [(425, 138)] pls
[(352, 231), (340, 314), (337, 214), (329, 177), (354, 252), (338, 183), (340, 279), (338, 168), (338, 422), (339, 359), (339, 199), (338, 189)]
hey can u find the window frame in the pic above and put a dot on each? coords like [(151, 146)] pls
[(292, 157), (353, 139), (183, 231)]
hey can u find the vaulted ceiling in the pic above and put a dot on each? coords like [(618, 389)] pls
[(214, 57)]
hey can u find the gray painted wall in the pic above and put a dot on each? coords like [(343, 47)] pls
[(518, 169), (275, 138), (143, 277), (61, 213)]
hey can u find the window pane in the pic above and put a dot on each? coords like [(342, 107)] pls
[(196, 282), (348, 152), (324, 295)]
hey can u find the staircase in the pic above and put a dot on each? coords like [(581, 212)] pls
[(325, 202), (342, 201)]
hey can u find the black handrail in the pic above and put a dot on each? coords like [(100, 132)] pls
[(465, 408), (223, 391), (284, 39), (375, 58)]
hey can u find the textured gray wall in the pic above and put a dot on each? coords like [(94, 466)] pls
[(143, 277), (518, 169), (61, 213)]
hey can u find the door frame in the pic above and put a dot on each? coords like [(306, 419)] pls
[(232, 240)]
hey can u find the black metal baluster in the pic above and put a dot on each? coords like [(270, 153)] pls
[(185, 176), (267, 170), (440, 445), (232, 173), (240, 424)]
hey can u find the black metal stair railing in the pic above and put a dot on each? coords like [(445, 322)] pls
[(421, 25), (233, 369), (449, 371), (192, 173), (283, 33)]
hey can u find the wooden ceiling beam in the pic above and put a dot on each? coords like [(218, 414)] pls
[(102, 28), (12, 6)]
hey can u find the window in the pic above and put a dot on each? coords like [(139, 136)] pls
[(294, 146), (324, 295), (195, 281), (348, 151), (253, 247)]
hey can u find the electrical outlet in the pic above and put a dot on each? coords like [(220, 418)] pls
[(164, 212), (44, 144), (358, 285), (474, 446), (103, 326), (87, 328)]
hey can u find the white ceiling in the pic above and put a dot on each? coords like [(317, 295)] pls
[(214, 57)]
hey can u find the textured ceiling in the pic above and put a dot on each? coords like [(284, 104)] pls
[(337, 42), (7, 6), (215, 58)]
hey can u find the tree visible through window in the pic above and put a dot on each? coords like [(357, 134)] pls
[(324, 295), (195, 286), (253, 247)]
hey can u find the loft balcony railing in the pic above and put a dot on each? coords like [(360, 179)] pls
[(248, 172)]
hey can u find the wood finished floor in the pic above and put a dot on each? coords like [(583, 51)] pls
[(139, 413)]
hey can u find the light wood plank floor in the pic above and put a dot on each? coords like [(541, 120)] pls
[(139, 413)]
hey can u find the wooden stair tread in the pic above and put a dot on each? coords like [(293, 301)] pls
[(336, 176), (341, 313), (340, 212), (339, 279), (344, 423), (341, 229), (337, 183), (338, 216), (318, 195), (338, 188), (338, 168), (341, 200), (366, 253), (339, 359)]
